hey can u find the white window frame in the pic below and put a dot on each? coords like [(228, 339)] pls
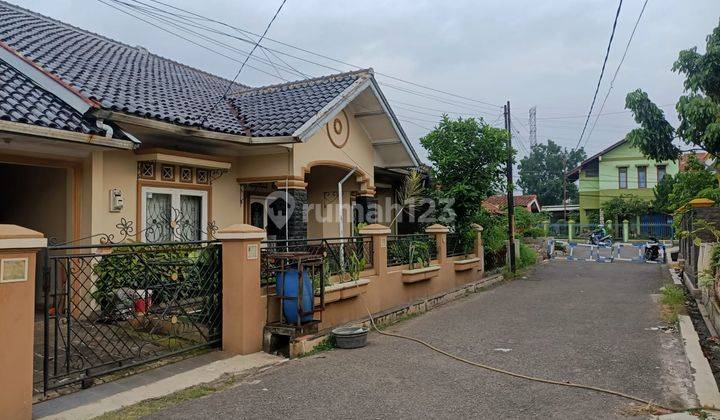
[(175, 194)]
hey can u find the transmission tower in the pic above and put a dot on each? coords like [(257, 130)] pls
[(533, 126)]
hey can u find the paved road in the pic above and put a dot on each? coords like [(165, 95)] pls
[(581, 322)]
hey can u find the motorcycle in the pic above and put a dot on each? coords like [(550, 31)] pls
[(601, 238), (652, 249)]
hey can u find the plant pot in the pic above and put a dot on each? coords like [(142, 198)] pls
[(420, 274), (346, 290), (467, 264), (142, 304)]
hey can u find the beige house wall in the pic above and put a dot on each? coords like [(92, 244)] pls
[(323, 202), (357, 151), (118, 169)]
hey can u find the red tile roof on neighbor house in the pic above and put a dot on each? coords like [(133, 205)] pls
[(701, 156), (495, 202)]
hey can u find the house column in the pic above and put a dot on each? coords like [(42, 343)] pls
[(243, 308), (479, 248), (297, 208), (18, 251)]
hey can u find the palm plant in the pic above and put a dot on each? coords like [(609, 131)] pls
[(409, 194)]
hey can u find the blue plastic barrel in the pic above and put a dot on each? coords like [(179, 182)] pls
[(289, 289)]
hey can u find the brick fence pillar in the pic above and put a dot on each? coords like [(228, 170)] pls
[(18, 251), (242, 305), (440, 232), (379, 234), (479, 248)]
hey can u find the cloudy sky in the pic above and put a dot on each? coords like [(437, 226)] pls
[(545, 54)]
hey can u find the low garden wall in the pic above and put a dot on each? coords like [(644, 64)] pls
[(380, 288)]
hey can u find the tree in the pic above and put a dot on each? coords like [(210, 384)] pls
[(468, 160), (698, 110), (543, 170), (625, 206), (693, 181), (662, 192)]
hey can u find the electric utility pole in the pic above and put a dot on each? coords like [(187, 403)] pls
[(510, 198)]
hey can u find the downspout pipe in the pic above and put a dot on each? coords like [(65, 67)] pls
[(100, 123), (340, 215)]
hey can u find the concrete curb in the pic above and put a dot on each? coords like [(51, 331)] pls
[(704, 383), (201, 375)]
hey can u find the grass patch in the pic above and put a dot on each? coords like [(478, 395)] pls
[(406, 317), (145, 408), (673, 302), (327, 344)]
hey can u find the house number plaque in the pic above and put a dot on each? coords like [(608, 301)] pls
[(252, 251), (13, 270)]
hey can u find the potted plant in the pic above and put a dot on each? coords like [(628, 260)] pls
[(467, 240), (350, 284), (419, 268)]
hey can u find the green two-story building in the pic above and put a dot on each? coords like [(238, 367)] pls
[(619, 169)]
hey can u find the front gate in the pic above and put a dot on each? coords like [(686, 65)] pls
[(112, 306)]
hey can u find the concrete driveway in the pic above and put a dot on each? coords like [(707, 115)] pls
[(582, 322)]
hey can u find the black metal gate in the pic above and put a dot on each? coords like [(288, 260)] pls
[(114, 306)]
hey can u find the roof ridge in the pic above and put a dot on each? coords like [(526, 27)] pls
[(301, 82), (138, 48)]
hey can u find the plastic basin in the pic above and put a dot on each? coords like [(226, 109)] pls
[(350, 337)]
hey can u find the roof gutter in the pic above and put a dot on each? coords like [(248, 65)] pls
[(121, 117), (65, 135)]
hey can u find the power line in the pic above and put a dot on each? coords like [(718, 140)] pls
[(179, 21), (183, 37), (179, 24), (617, 70), (602, 72), (319, 55), (415, 124), (232, 82)]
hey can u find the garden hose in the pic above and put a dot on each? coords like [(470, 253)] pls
[(517, 375)]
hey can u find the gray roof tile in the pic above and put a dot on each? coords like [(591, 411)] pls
[(130, 79), (38, 107)]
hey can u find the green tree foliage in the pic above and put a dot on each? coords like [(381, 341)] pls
[(662, 192), (625, 206), (698, 110), (695, 180), (527, 223), (542, 172), (468, 160)]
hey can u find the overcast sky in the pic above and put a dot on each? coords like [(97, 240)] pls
[(547, 54)]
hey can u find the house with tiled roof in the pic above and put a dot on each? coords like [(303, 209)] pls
[(94, 132), (496, 203)]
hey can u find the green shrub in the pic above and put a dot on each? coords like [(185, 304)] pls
[(528, 256)]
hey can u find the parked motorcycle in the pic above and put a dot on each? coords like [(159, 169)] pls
[(600, 237), (652, 249)]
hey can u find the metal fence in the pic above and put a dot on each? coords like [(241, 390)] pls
[(495, 260), (455, 245), (338, 254), (406, 249), (114, 306), (635, 231)]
